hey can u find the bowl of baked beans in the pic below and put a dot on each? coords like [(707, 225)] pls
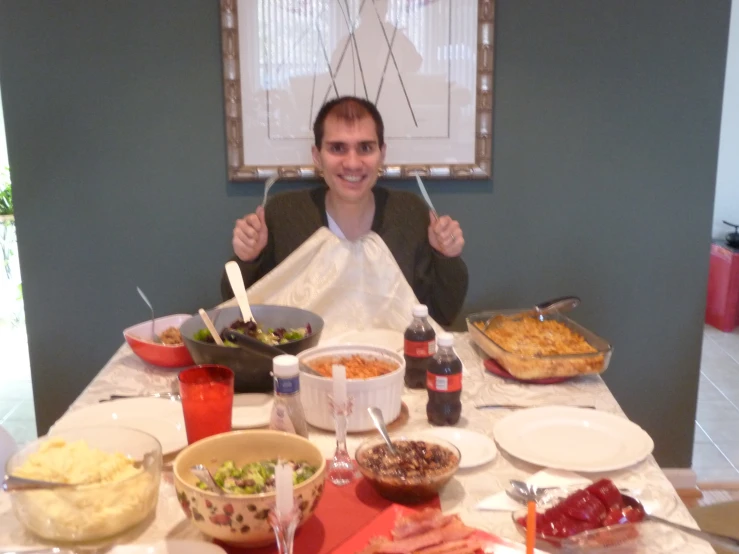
[(374, 378), (421, 468)]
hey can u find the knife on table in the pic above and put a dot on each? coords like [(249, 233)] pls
[(521, 406)]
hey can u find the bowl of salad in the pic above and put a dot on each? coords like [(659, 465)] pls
[(288, 330), (243, 464)]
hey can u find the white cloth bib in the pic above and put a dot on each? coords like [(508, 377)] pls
[(353, 285)]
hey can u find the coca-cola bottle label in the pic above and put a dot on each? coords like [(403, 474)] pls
[(420, 349), (444, 383)]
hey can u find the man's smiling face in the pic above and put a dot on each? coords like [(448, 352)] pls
[(350, 157)]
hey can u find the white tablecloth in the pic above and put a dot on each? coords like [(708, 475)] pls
[(125, 373)]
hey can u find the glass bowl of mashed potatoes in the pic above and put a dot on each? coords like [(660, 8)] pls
[(114, 473)]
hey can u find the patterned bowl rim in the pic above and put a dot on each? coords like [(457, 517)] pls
[(319, 474)]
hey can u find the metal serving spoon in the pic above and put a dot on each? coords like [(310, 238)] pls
[(723, 541), (154, 336), (16, 484), (12, 483), (561, 304), (50, 550), (376, 415), (203, 473)]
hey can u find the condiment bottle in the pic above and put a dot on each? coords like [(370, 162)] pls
[(418, 348), (444, 384), (287, 411)]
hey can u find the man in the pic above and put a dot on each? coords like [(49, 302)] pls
[(349, 150)]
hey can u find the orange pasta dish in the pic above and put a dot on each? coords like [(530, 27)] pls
[(527, 336), (357, 367)]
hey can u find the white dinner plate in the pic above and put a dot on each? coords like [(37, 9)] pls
[(159, 417), (174, 546), (251, 410), (475, 448), (169, 547), (574, 439)]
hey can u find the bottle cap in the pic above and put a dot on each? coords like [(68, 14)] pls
[(284, 366), (445, 339), (420, 310)]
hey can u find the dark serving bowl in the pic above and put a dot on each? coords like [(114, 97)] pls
[(251, 367)]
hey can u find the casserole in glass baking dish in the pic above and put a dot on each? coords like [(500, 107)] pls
[(532, 348)]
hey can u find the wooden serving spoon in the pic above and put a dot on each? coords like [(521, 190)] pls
[(210, 326), (237, 286)]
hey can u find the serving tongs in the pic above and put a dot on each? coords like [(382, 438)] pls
[(259, 348), (561, 304)]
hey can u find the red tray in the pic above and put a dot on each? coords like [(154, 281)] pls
[(341, 512), (495, 368), (384, 523)]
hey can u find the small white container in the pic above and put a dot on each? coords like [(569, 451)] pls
[(385, 391)]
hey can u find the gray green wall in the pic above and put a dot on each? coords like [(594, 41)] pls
[(606, 131)]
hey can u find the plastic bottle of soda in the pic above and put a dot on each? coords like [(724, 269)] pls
[(419, 348), (444, 384)]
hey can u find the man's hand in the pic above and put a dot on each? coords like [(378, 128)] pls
[(250, 236), (445, 236)]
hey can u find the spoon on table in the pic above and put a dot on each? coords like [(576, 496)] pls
[(376, 415), (212, 328), (724, 541), (154, 336), (203, 473), (236, 280)]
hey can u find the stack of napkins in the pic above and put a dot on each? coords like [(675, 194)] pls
[(545, 478)]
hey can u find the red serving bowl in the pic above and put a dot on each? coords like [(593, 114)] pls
[(139, 339)]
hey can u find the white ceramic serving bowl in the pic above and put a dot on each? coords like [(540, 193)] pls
[(385, 391)]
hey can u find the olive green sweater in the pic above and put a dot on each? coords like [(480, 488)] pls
[(401, 220)]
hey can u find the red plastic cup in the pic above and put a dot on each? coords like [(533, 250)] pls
[(207, 393)]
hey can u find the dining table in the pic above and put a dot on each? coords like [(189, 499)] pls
[(126, 374)]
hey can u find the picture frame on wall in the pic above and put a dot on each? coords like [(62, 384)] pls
[(426, 64)]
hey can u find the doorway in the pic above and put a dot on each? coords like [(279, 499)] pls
[(17, 414)]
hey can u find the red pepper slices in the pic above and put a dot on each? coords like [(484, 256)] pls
[(599, 505)]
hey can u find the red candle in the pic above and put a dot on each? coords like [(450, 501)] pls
[(207, 393)]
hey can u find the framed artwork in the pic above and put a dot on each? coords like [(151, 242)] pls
[(426, 64)]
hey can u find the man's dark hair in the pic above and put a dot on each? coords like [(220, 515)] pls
[(348, 108)]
